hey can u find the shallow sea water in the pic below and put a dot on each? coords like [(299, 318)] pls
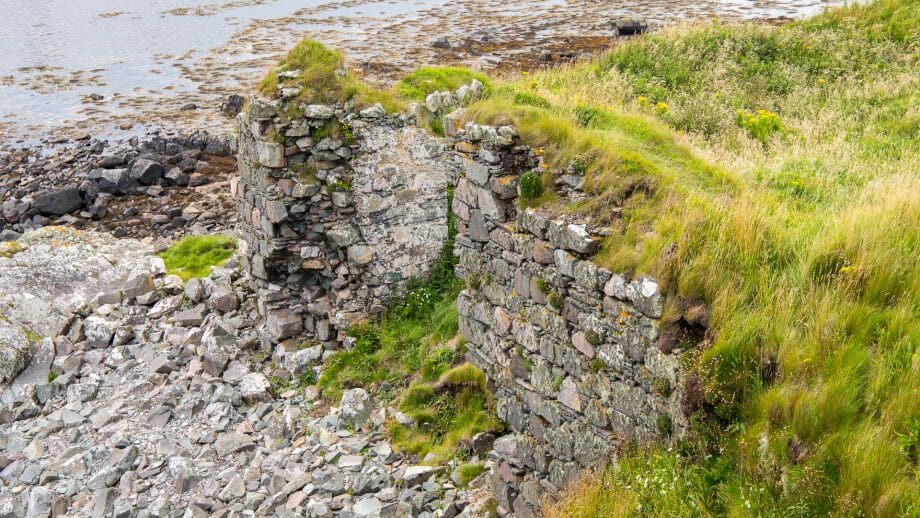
[(148, 58)]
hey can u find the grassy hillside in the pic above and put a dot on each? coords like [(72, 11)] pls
[(772, 175)]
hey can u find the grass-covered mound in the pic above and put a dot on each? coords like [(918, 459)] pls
[(770, 173), (194, 256)]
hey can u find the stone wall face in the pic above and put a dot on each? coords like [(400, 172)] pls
[(338, 208), (569, 348)]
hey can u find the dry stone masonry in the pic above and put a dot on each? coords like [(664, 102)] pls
[(569, 348), (339, 208)]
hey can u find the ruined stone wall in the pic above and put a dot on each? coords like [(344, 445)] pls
[(338, 208), (569, 348)]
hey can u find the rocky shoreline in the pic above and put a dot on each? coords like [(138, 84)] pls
[(163, 185), (158, 397)]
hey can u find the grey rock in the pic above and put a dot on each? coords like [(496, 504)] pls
[(231, 443), (416, 475), (356, 406), (99, 331), (15, 351), (110, 181), (224, 300), (57, 202), (217, 346), (146, 172), (283, 324), (254, 387)]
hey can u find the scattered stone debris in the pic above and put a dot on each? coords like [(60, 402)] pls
[(163, 399)]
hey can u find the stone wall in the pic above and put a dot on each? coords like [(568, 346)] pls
[(339, 208), (569, 348)]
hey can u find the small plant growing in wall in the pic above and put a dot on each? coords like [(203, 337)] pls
[(542, 285), (474, 281), (530, 187), (555, 300), (597, 365), (661, 386), (348, 134), (557, 383), (276, 136), (306, 172), (664, 425), (338, 186)]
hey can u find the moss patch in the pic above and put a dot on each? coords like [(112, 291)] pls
[(194, 256)]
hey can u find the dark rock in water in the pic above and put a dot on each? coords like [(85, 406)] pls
[(441, 43), (110, 181), (189, 106), (232, 106), (57, 202), (146, 171), (630, 26)]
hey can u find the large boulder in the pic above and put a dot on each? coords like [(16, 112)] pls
[(111, 181), (57, 202)]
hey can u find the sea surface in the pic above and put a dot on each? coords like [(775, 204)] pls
[(149, 58)]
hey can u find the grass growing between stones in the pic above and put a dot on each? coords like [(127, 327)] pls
[(194, 256), (771, 173)]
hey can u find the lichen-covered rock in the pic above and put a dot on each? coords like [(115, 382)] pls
[(356, 406), (15, 351)]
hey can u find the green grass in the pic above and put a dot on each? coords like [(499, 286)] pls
[(423, 81), (470, 471), (194, 256), (446, 414), (323, 79), (798, 227)]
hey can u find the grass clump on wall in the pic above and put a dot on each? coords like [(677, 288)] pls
[(797, 224), (322, 79), (194, 256)]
